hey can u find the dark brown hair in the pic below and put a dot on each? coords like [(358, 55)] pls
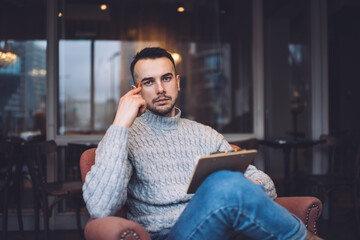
[(150, 53)]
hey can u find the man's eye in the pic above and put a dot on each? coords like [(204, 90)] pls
[(147, 83), (167, 78)]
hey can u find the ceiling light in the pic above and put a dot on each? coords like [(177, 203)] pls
[(7, 57), (60, 14), (176, 57), (103, 7), (181, 9)]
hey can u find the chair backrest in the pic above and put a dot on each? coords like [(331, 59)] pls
[(5, 148), (6, 163), (357, 163), (87, 159), (36, 159), (341, 153)]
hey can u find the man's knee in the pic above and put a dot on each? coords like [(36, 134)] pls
[(226, 183)]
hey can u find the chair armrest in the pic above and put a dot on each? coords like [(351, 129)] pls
[(308, 209), (114, 228)]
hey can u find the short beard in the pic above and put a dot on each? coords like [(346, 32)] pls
[(164, 112)]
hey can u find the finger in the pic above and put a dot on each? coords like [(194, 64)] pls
[(138, 86), (133, 91), (254, 181), (142, 109)]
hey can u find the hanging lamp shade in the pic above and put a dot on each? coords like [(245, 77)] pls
[(7, 57)]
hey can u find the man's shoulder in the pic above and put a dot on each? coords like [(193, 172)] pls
[(189, 122), (185, 122)]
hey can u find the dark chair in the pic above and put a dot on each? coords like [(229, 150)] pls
[(343, 172), (9, 184), (36, 159), (308, 209)]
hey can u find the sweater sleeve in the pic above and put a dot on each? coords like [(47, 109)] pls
[(105, 186), (253, 173)]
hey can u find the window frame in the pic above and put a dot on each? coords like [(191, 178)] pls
[(52, 72)]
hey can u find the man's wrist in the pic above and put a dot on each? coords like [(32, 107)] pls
[(121, 123)]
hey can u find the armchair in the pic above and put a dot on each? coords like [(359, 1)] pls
[(308, 209)]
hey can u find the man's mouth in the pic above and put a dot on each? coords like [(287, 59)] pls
[(161, 100)]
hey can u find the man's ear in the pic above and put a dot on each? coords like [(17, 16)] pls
[(178, 82)]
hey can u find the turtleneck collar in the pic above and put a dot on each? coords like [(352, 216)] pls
[(161, 122)]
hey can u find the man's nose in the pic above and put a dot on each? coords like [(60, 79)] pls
[(160, 87)]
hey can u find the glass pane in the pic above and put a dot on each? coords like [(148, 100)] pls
[(23, 90), (287, 67), (96, 47), (23, 85), (107, 82), (23, 102), (287, 79), (74, 86)]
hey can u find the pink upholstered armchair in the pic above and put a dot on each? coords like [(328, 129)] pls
[(308, 209)]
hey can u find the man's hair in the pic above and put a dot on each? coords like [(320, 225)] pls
[(150, 53)]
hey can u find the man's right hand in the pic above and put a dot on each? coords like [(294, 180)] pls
[(130, 106)]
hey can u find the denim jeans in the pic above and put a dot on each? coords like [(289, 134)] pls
[(227, 203)]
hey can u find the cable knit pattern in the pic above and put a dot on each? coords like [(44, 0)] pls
[(149, 166)]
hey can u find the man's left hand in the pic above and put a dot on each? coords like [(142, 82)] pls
[(255, 181)]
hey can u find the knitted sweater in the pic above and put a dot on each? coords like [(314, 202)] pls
[(148, 167)]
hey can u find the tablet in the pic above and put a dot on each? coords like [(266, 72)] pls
[(233, 161)]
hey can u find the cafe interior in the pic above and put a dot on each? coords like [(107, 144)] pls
[(277, 76)]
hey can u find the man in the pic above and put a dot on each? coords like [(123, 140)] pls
[(146, 159)]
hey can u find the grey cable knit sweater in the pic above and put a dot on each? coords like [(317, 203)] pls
[(149, 166)]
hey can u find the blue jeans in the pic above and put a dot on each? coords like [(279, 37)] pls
[(226, 203)]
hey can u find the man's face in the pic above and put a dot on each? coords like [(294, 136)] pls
[(160, 85)]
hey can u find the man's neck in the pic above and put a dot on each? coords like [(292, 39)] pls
[(161, 122), (172, 113)]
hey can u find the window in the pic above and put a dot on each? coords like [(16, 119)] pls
[(96, 47), (23, 90), (23, 82), (287, 53)]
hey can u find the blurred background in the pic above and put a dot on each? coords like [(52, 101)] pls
[(269, 70)]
